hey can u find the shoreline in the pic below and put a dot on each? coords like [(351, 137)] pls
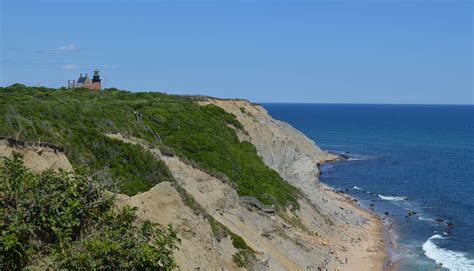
[(371, 250), (382, 227)]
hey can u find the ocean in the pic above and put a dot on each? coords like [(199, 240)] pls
[(412, 164)]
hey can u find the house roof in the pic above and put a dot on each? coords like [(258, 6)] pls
[(82, 79)]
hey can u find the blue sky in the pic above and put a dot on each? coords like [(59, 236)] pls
[(388, 51)]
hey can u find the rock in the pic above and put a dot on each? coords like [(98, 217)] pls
[(267, 234), (372, 249), (386, 213)]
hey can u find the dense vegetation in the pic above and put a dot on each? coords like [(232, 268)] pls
[(64, 220), (78, 119)]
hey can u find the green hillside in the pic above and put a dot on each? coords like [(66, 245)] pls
[(78, 119)]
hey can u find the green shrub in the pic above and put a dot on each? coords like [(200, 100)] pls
[(66, 217), (218, 230), (115, 243), (78, 119), (245, 255), (244, 258)]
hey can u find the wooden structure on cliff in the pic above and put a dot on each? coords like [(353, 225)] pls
[(256, 203)]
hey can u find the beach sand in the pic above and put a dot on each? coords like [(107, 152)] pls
[(363, 245)]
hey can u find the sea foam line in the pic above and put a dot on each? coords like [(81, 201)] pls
[(454, 261), (384, 197), (392, 198)]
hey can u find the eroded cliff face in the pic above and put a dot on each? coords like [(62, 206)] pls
[(285, 149), (329, 221), (37, 158), (279, 245), (332, 216), (198, 249)]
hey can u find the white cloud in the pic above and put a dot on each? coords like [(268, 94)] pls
[(67, 48), (70, 67)]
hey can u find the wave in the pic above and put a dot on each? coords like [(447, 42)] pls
[(392, 198), (362, 190), (356, 158), (426, 219), (455, 261)]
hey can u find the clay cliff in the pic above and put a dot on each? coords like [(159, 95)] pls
[(326, 229)]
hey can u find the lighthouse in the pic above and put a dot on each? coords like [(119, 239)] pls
[(86, 82), (96, 80)]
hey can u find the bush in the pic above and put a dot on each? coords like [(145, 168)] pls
[(65, 217), (116, 244), (78, 119), (245, 255)]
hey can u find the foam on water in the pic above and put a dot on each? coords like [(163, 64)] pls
[(392, 198), (355, 159), (426, 219), (454, 261)]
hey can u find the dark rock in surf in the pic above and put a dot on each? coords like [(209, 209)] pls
[(411, 213)]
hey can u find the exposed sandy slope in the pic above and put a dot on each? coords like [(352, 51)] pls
[(198, 250), (161, 204), (37, 158), (221, 201), (352, 232), (284, 247)]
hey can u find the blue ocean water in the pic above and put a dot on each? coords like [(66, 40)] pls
[(402, 158)]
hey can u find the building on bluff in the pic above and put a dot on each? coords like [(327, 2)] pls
[(86, 82)]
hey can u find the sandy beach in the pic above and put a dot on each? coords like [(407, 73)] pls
[(362, 245)]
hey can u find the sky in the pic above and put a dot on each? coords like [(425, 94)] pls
[(353, 51)]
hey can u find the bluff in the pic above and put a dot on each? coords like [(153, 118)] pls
[(187, 161)]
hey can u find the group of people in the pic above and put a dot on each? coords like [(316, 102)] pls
[(326, 262)]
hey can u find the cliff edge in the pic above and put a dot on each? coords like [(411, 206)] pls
[(285, 149), (205, 166)]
